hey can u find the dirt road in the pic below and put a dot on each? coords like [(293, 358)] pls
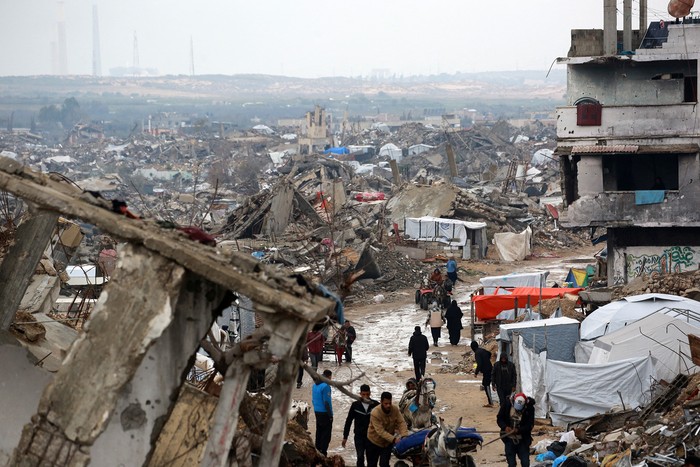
[(383, 331)]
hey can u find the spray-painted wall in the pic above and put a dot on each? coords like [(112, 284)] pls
[(638, 261)]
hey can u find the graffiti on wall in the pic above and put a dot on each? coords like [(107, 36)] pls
[(670, 260)]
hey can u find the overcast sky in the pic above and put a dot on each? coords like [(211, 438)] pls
[(304, 38)]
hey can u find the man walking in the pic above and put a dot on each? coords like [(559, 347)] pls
[(360, 413), (504, 378), (451, 268), (418, 349), (323, 409), (516, 420), (350, 336), (483, 366), (386, 427)]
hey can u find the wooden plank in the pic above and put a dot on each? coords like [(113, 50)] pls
[(271, 291), (694, 342), (183, 438)]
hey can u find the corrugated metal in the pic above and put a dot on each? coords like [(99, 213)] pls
[(626, 149)]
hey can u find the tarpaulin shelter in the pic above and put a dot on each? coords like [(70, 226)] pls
[(337, 151), (620, 313), (450, 231), (510, 281), (488, 307), (659, 335), (556, 336), (578, 277), (512, 246)]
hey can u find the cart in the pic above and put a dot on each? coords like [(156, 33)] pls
[(411, 448)]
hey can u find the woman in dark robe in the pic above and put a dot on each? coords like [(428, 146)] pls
[(453, 315)]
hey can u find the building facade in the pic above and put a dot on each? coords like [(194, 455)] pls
[(628, 144)]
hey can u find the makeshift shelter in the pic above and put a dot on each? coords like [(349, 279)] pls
[(618, 314), (510, 281), (450, 231), (392, 151), (556, 336), (659, 335), (512, 246), (577, 391), (489, 307), (579, 277)]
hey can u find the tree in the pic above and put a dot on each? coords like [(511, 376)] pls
[(49, 114), (70, 112)]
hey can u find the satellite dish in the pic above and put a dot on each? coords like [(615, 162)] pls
[(680, 8)]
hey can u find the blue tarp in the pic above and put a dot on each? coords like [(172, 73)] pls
[(341, 150), (649, 196), (414, 442)]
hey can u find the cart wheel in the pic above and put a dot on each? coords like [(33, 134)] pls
[(470, 461), (417, 296), (400, 464), (424, 301)]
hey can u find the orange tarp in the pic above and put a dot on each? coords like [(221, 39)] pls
[(489, 306)]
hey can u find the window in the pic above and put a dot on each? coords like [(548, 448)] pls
[(631, 172)]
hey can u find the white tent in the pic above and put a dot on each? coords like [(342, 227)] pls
[(512, 246), (616, 315), (392, 151), (663, 337), (577, 391), (558, 336), (524, 279), (437, 229)]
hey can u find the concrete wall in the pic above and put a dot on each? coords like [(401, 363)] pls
[(632, 262), (590, 176), (630, 124)]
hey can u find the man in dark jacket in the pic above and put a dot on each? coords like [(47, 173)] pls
[(350, 336), (483, 366), (504, 378), (418, 349), (359, 413), (516, 420)]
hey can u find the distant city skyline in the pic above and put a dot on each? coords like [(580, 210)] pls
[(304, 38)]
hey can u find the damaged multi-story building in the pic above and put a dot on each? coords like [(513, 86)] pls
[(628, 141)]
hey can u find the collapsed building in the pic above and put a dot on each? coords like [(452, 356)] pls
[(628, 144)]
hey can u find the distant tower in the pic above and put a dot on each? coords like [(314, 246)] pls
[(54, 58), (136, 55), (191, 57), (62, 47), (96, 59)]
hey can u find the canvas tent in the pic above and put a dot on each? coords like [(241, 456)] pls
[(503, 305), (663, 337), (450, 231), (526, 279), (577, 391), (579, 277), (557, 336), (392, 151), (512, 246), (618, 314)]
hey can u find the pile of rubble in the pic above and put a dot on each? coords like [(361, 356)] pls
[(685, 284)]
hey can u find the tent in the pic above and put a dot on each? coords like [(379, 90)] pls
[(557, 336), (577, 391), (450, 231), (512, 246), (618, 314), (337, 151), (659, 335), (392, 151), (525, 279), (579, 277)]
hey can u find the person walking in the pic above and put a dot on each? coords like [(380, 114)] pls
[(504, 377), (323, 410), (453, 315), (386, 428), (339, 344), (350, 336), (360, 414), (435, 319), (483, 366), (516, 418), (314, 343), (451, 268), (418, 349), (304, 360)]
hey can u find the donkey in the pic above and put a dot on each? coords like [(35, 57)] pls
[(416, 406), (440, 447)]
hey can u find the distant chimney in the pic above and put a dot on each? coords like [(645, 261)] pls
[(96, 59), (62, 46), (610, 27)]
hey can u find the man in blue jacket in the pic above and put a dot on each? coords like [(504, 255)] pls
[(360, 414), (323, 409)]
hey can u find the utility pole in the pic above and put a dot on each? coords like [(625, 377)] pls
[(191, 57)]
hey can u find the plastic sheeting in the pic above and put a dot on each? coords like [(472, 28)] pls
[(532, 370), (436, 229), (526, 279), (661, 336), (618, 314), (558, 336), (512, 246), (579, 391)]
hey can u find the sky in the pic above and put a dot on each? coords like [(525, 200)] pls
[(301, 38)]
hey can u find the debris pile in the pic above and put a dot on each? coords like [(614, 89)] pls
[(686, 284)]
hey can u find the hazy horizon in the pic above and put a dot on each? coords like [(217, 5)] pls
[(303, 39)]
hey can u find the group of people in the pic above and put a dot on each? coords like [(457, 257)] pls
[(316, 341), (378, 424)]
